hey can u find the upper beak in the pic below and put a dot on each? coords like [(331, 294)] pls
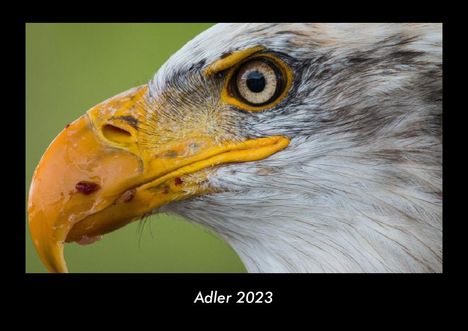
[(98, 175)]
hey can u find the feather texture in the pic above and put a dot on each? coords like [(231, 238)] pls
[(359, 189)]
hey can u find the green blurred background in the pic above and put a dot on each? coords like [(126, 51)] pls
[(70, 68)]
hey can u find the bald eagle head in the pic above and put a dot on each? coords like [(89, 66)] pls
[(307, 147)]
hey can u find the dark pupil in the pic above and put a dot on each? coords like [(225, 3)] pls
[(255, 81)]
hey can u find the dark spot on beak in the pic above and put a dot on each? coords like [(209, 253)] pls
[(128, 195), (66, 126), (225, 55), (171, 154), (86, 187), (178, 181)]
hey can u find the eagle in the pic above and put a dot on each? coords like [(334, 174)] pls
[(306, 147)]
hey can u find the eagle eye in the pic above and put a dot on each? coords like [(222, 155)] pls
[(257, 83)]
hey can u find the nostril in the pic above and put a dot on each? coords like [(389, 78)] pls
[(116, 134)]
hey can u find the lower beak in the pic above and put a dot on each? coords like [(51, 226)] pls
[(96, 176)]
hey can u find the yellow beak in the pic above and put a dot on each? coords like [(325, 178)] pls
[(100, 173)]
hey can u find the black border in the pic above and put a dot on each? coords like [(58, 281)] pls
[(290, 290)]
